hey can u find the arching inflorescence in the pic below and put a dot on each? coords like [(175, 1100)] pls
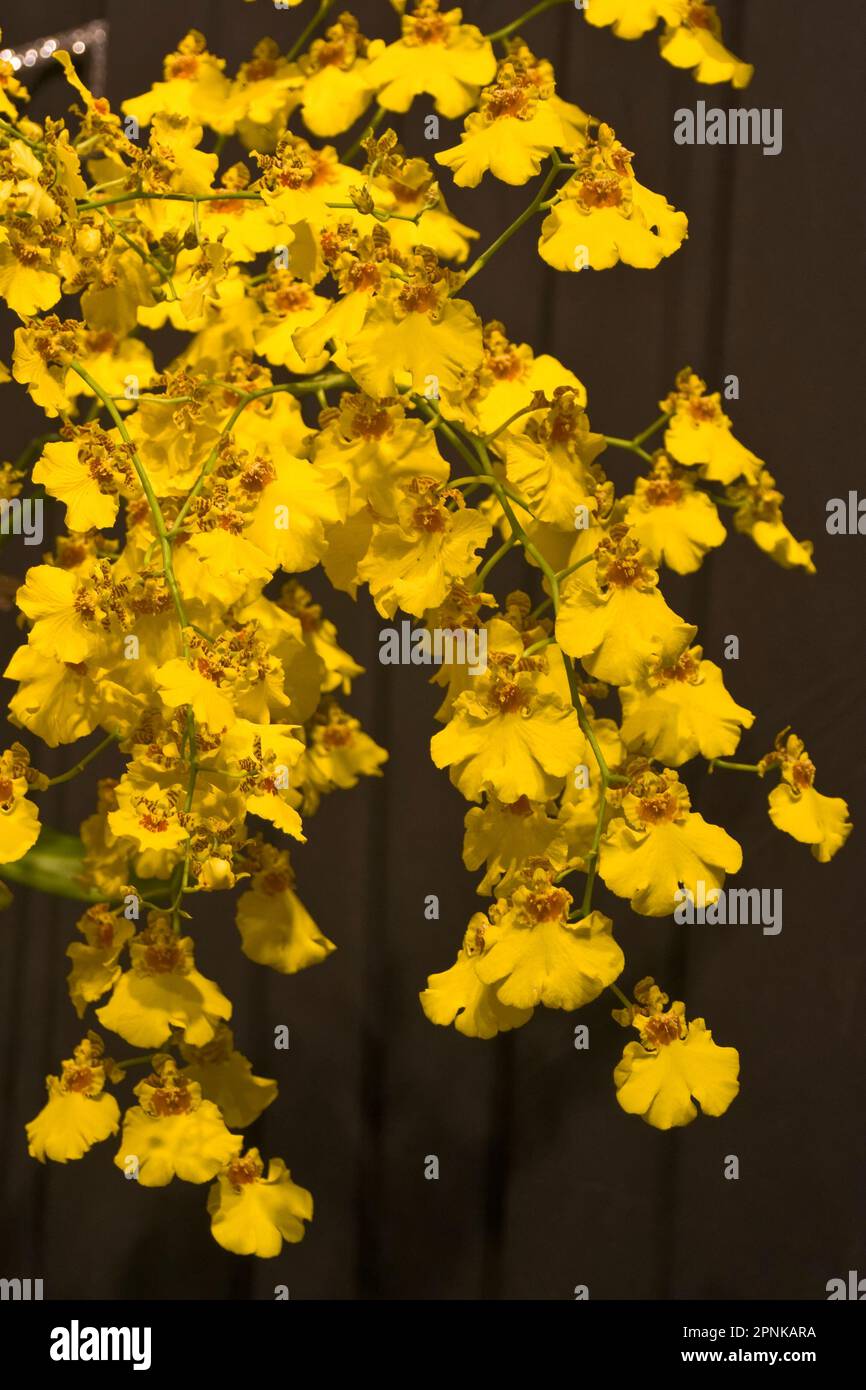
[(329, 397)]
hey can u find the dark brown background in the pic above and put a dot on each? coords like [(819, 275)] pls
[(544, 1182)]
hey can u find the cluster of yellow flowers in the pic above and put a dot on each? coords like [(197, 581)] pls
[(339, 403)]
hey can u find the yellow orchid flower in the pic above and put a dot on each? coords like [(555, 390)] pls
[(414, 334), (694, 40), (275, 928), (797, 808), (173, 1132), (613, 616), (61, 701), (603, 215), (507, 739), (511, 134), (413, 560), (691, 38), (252, 1214), (508, 380), (759, 515), (534, 954), (501, 835), (675, 522), (96, 964), (675, 712), (406, 190), (28, 281), (459, 996), (630, 19), (225, 1077), (289, 305), (266, 91), (163, 990), (338, 752), (293, 510), (194, 85), (660, 843), (88, 473), (437, 55), (337, 81), (233, 677), (700, 433), (19, 818), (550, 460), (378, 450), (299, 181), (79, 1112), (675, 1067)]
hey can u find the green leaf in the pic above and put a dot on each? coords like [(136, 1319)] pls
[(55, 865)]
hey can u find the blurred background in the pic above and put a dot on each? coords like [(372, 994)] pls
[(544, 1183)]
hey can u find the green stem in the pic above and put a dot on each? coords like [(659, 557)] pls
[(147, 488), (310, 29), (651, 429), (83, 762), (12, 131), (482, 464), (171, 582), (370, 129), (508, 29), (492, 562), (145, 255), (539, 645), (302, 388), (733, 767), (472, 481), (481, 261), (607, 779), (563, 574), (720, 501), (381, 214), (628, 444), (589, 732), (524, 410), (142, 196)]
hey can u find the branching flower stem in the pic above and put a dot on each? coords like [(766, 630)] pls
[(181, 873), (165, 535), (474, 451), (524, 410), (147, 488), (629, 444), (635, 446), (140, 195), (140, 251), (309, 387), (480, 462)]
